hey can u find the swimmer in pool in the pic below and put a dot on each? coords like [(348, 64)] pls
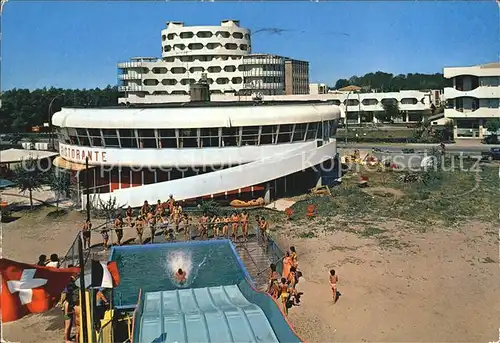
[(180, 276)]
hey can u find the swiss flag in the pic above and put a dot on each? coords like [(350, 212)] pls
[(28, 288)]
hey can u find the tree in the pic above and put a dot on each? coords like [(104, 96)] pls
[(60, 184), (21, 108), (385, 82), (341, 83), (391, 111), (493, 125), (29, 177)]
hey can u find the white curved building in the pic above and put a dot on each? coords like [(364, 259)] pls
[(195, 152), (221, 53)]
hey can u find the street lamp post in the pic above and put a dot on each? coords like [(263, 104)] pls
[(51, 139)]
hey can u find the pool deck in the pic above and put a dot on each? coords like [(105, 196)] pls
[(251, 252)]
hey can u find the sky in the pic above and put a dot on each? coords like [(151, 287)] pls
[(73, 44)]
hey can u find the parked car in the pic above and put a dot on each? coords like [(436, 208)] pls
[(493, 154)]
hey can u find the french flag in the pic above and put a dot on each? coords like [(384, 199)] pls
[(104, 274)]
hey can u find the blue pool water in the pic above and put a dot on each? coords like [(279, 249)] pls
[(151, 268)]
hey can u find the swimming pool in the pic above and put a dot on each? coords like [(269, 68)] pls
[(150, 267)]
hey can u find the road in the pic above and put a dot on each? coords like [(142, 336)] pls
[(451, 148)]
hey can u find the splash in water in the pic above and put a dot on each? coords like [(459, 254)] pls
[(183, 260), (180, 260)]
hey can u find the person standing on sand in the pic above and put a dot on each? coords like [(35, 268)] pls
[(333, 284), (287, 264), (119, 228), (293, 256), (186, 223), (86, 231)]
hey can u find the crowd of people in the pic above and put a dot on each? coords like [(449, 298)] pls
[(283, 288), (170, 219)]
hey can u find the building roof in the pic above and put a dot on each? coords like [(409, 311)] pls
[(193, 117), (18, 155), (350, 88), (490, 65)]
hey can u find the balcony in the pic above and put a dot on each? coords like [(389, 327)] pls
[(481, 112), (130, 76), (478, 93), (130, 88), (125, 65)]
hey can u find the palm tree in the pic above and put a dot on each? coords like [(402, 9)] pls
[(60, 183), (28, 177)]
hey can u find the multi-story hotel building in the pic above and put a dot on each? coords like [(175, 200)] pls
[(473, 98), (222, 53)]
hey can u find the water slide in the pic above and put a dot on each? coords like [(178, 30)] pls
[(233, 313), (216, 182)]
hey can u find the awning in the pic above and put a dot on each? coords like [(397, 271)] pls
[(62, 163), (18, 155)]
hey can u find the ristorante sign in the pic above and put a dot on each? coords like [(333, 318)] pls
[(79, 154)]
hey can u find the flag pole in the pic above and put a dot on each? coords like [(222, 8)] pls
[(83, 296), (87, 186)]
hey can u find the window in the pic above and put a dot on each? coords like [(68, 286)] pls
[(250, 135), (188, 138), (110, 138), (285, 133), (83, 138), (300, 132), (72, 137), (147, 139), (127, 138), (95, 137), (167, 138), (268, 135), (209, 137), (230, 136), (311, 131)]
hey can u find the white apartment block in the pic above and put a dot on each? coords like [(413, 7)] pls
[(221, 53), (473, 98)]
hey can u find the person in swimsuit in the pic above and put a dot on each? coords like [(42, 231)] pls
[(105, 238), (151, 221), (244, 225), (68, 311), (170, 204), (333, 284), (284, 295), (76, 314), (145, 209), (202, 226), (180, 276), (274, 276), (294, 257), (86, 232), (186, 222), (119, 228), (158, 208), (235, 224), (212, 225), (264, 227), (225, 227), (129, 217), (176, 218), (287, 264), (139, 228)]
